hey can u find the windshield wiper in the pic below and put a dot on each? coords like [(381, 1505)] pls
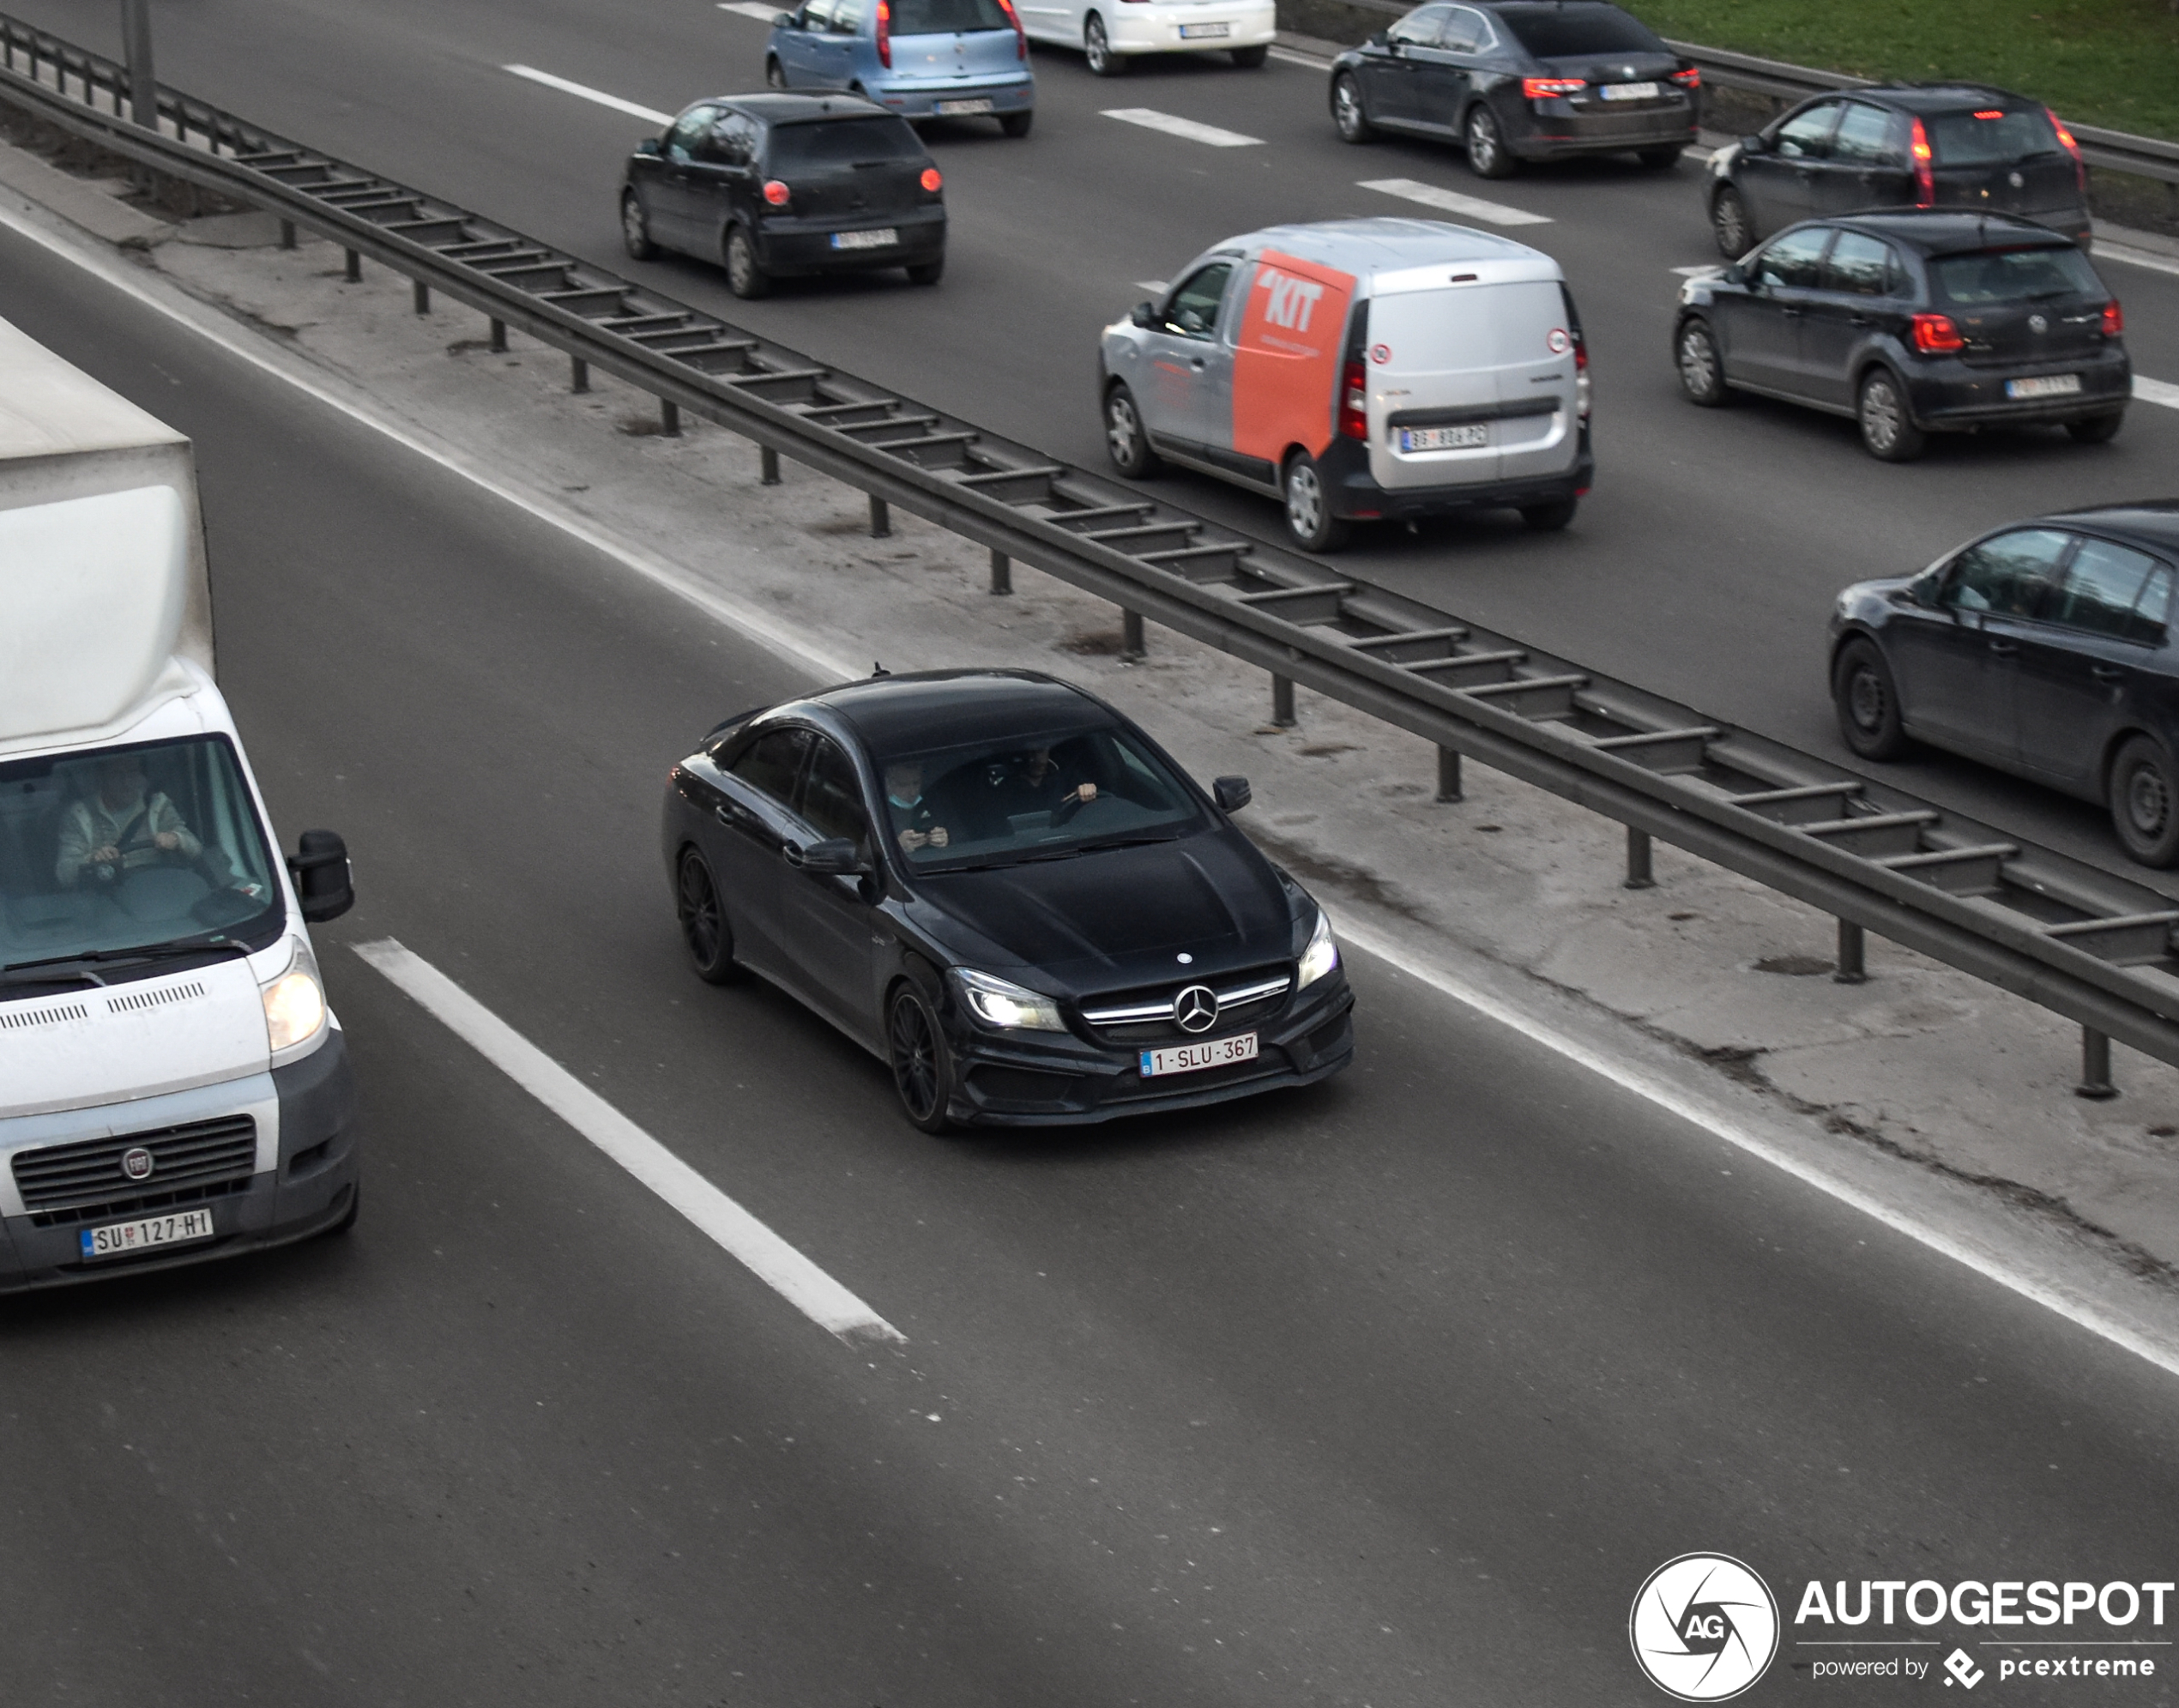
[(216, 941), (1104, 843)]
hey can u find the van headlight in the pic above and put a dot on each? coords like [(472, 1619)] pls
[(295, 1003), (997, 1003), (1321, 955)]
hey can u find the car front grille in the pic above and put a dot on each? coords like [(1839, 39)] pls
[(86, 1177), (1145, 1015)]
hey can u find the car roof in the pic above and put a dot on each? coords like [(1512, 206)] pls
[(933, 709), (1385, 245), (1934, 98), (1939, 231), (790, 108), (2153, 522)]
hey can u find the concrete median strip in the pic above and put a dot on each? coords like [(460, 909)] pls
[(1151, 119), (816, 1294), (1452, 201), (585, 93)]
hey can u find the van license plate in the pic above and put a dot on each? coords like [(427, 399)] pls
[(1205, 31), (1627, 91), (883, 238), (2050, 385), (119, 1239), (958, 109), (1188, 1058), (1444, 439)]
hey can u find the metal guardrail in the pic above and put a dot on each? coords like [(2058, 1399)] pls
[(2115, 150), (2096, 948)]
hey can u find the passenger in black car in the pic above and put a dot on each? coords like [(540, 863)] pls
[(914, 822)]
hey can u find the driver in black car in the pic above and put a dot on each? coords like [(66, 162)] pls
[(1047, 780)]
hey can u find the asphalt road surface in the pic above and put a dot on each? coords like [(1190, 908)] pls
[(1703, 566), (1391, 1392)]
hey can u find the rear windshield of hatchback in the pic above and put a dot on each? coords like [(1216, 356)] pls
[(2016, 275), (1990, 138), (1553, 32), (944, 17), (843, 142)]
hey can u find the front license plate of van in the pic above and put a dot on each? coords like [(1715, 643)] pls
[(1190, 1058), (1627, 91), (1444, 439), (121, 1239), (2049, 385), (959, 109), (878, 239), (1205, 31)]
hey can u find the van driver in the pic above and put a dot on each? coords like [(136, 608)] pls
[(123, 826)]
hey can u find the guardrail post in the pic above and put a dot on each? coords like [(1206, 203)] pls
[(2095, 1067), (767, 466), (355, 267), (143, 87), (1002, 572), (578, 374), (498, 340), (422, 294), (1282, 701), (1853, 954), (1639, 874), (1449, 787), (287, 234), (669, 419), (881, 518), (1133, 649)]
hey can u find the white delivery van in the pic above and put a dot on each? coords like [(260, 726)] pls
[(173, 1085), (1358, 369)]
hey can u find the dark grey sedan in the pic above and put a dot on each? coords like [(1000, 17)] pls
[(2043, 649)]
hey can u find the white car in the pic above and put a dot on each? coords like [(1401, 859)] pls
[(1112, 32)]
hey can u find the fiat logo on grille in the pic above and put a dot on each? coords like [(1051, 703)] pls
[(1196, 1009), (136, 1162)]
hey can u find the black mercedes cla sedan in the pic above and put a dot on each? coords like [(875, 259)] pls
[(1003, 887)]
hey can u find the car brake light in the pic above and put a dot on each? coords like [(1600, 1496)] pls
[(1935, 335), (2066, 136), (776, 193), (2114, 318), (885, 33), (932, 180), (1689, 79), (1354, 403), (1542, 88), (1992, 113), (1021, 35), (1925, 176)]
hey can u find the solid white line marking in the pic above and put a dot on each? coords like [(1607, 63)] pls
[(2157, 391), (749, 8), (816, 1294), (1151, 119), (1452, 201), (1700, 272), (589, 95), (1157, 287), (2081, 1312), (2134, 257), (1291, 57)]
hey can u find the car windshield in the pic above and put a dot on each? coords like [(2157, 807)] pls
[(1031, 798), (2016, 275), (130, 847), (943, 17), (1557, 32), (1990, 138), (843, 142)]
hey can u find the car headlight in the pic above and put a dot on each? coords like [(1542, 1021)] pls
[(295, 1003), (998, 1003), (1321, 955)]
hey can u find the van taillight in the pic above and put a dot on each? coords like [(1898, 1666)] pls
[(776, 193), (2066, 136), (1354, 403), (1581, 381), (885, 33), (1935, 335), (1540, 88), (1925, 175), (2114, 318)]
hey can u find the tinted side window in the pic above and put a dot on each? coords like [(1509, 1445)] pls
[(1579, 26), (1796, 260), (846, 17), (817, 15), (1862, 265), (1423, 27), (2154, 609), (2012, 575), (1466, 32), (1806, 135), (731, 142), (1193, 312), (771, 763), (832, 798), (689, 129), (2103, 583), (1866, 137)]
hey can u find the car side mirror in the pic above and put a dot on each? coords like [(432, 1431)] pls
[(1232, 793), (1734, 275), (1142, 315), (650, 145), (833, 857), (1754, 145), (324, 884), (1381, 39), (783, 20)]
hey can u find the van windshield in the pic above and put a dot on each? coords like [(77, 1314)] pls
[(1558, 32), (843, 142), (2016, 275), (944, 17), (128, 849), (1990, 138)]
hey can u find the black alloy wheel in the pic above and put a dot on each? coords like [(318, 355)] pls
[(1487, 154), (1097, 47), (1017, 124), (1251, 58), (922, 1067), (775, 75), (704, 930), (1350, 117), (1888, 432), (1309, 519), (1662, 158), (635, 227), (2144, 801), (1868, 701), (1125, 439), (926, 272), (1702, 370), (1730, 223), (746, 277), (1549, 518), (2096, 429)]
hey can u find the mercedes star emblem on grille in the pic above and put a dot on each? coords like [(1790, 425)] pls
[(136, 1162), (1196, 1009)]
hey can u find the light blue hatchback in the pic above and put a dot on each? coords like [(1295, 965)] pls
[(919, 58)]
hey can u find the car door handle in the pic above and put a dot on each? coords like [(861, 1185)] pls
[(1791, 313), (2005, 648), (1859, 320), (723, 814), (2107, 672), (1196, 362), (792, 854)]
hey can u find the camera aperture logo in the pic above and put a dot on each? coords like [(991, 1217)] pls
[(1703, 1627)]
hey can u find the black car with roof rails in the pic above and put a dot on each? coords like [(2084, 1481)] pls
[(1520, 80), (771, 185), (1916, 145), (2044, 647), (1004, 890), (1913, 323)]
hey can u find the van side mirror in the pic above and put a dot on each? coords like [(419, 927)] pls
[(1754, 145), (833, 857), (324, 884), (1232, 793), (1143, 314), (650, 145)]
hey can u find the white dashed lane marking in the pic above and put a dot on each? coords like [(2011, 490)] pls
[(1151, 119), (585, 93), (2157, 391), (1452, 201), (748, 9)]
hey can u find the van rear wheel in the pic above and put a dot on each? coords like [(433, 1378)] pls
[(1309, 519)]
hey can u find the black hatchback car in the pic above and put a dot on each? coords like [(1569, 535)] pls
[(775, 184), (1913, 323), (1003, 887), (2044, 648), (1936, 145), (1515, 79)]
